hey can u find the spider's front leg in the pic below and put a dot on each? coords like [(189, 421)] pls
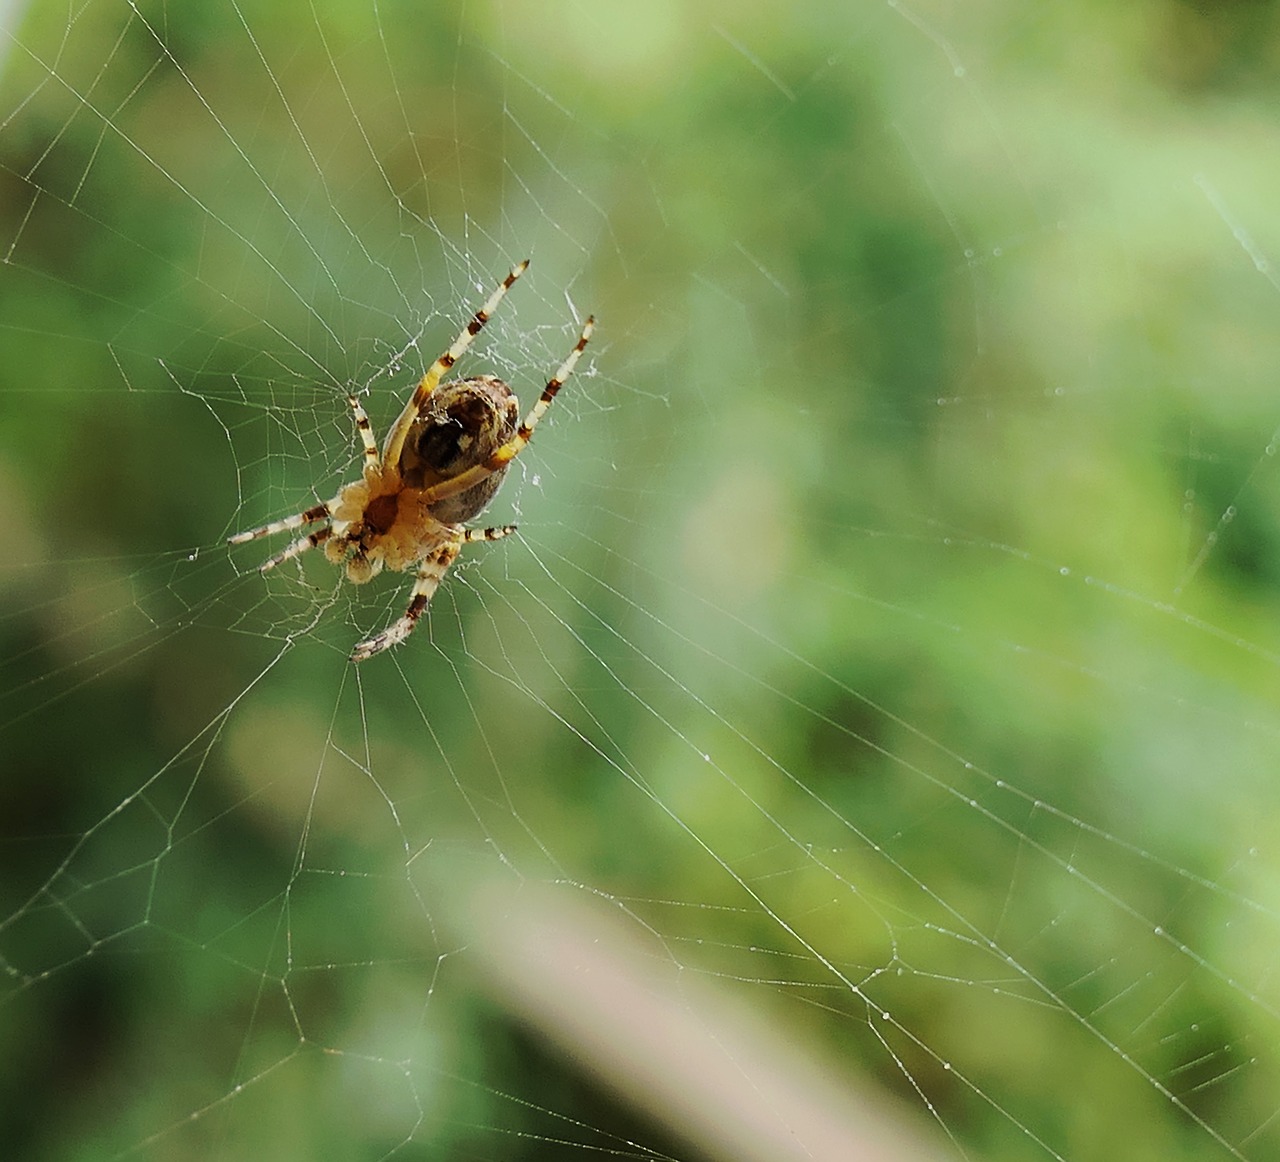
[(301, 545), (316, 512), (430, 573)]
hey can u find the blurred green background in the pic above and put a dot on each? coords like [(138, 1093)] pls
[(895, 601)]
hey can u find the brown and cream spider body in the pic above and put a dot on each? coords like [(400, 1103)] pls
[(441, 465)]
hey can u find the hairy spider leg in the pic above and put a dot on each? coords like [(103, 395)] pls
[(430, 573), (365, 430), (512, 448), (301, 545), (315, 513), (470, 536), (396, 437)]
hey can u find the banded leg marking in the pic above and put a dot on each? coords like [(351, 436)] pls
[(398, 433), (365, 430), (471, 536), (315, 513), (430, 574), (513, 447), (301, 545)]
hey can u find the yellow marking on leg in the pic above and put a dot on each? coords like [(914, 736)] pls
[(513, 447), (400, 430)]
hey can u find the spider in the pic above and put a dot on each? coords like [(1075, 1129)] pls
[(441, 464)]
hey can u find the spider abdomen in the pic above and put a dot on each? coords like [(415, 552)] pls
[(460, 426)]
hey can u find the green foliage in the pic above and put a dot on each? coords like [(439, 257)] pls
[(906, 571)]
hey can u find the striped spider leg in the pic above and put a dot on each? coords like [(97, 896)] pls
[(443, 460)]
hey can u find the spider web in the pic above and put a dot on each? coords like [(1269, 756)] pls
[(881, 683)]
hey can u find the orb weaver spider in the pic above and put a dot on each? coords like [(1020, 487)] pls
[(441, 464)]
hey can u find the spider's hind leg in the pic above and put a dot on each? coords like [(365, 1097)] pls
[(430, 574), (301, 545)]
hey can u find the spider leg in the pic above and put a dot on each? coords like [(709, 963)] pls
[(470, 536), (396, 437), (318, 511), (513, 447), (430, 573), (301, 545), (365, 430), (315, 513)]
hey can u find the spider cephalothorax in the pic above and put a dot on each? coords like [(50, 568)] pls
[(442, 463)]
